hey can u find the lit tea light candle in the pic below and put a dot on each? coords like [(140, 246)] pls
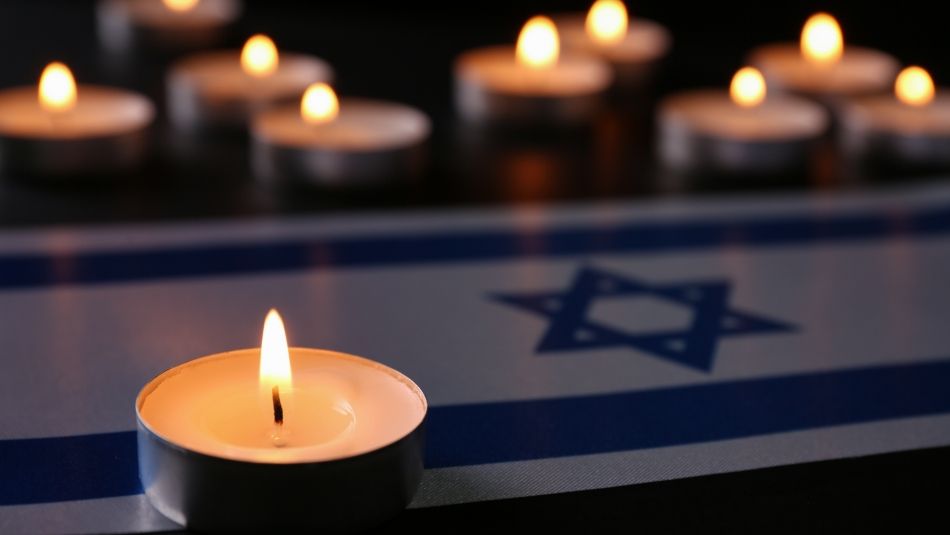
[(742, 130), (822, 66), (60, 129), (326, 142), (631, 46), (124, 25), (532, 82), (911, 126), (285, 439), (224, 89)]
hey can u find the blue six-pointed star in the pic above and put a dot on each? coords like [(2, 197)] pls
[(695, 346)]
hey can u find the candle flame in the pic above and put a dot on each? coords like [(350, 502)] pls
[(275, 355), (822, 42), (914, 87), (319, 104), (747, 88), (259, 56), (57, 91), (180, 6), (538, 44), (607, 22)]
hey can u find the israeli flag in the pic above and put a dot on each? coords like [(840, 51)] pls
[(573, 348)]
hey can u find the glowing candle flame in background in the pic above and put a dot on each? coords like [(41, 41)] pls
[(275, 355), (259, 56), (180, 6), (319, 104), (538, 45), (57, 91), (822, 42), (747, 88), (607, 22), (914, 87)]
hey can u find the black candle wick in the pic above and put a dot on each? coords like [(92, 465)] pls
[(278, 408)]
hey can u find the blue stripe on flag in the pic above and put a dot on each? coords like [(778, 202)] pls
[(96, 466), (30, 270)]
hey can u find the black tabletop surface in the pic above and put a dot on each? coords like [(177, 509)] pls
[(404, 52)]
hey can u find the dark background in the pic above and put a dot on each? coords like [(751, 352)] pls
[(403, 51)]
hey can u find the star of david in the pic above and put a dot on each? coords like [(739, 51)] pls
[(570, 329)]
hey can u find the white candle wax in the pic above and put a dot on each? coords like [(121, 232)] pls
[(212, 89), (496, 68), (491, 83), (124, 24), (339, 406), (99, 112), (362, 125), (858, 71), (644, 42), (714, 114), (157, 14)]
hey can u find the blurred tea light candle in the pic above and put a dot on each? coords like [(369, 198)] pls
[(323, 141), (910, 126), (58, 129), (631, 46), (822, 66), (281, 438), (126, 24), (225, 88), (742, 130), (533, 82)]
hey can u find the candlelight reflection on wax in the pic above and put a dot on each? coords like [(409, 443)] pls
[(747, 88), (180, 6), (319, 104), (822, 42), (538, 46), (914, 87), (607, 21), (259, 56), (57, 90)]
